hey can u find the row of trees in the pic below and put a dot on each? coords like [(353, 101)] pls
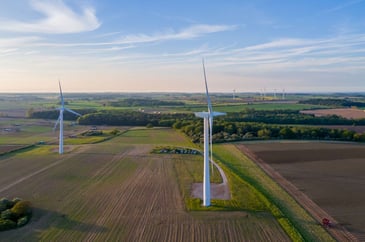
[(129, 118), (246, 125), (140, 102), (235, 131), (333, 102), (289, 117), (93, 117), (53, 114)]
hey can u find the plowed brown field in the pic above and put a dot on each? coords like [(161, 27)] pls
[(331, 174), (9, 148), (118, 191), (350, 113)]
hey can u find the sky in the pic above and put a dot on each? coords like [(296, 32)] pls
[(158, 46)]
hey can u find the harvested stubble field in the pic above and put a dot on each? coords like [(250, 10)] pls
[(118, 191), (331, 174)]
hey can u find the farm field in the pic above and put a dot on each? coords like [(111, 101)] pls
[(350, 113), (118, 190), (31, 131), (331, 174), (9, 148)]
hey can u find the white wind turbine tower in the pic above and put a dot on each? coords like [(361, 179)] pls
[(208, 132), (60, 120)]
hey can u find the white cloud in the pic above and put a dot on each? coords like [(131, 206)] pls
[(191, 32), (283, 43), (58, 18), (342, 6), (18, 41)]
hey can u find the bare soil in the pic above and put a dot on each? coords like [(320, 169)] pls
[(8, 148), (217, 191), (350, 113), (326, 178)]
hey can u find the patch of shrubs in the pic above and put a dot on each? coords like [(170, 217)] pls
[(174, 150), (93, 133), (14, 213)]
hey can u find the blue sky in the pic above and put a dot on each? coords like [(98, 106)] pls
[(124, 46)]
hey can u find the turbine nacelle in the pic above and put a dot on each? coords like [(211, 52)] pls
[(208, 114)]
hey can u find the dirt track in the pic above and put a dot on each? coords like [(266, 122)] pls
[(337, 231), (218, 191)]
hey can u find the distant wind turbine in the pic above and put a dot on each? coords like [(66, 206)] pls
[(60, 119), (208, 133)]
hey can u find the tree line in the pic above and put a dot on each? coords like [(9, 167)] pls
[(53, 114), (336, 102), (247, 125), (132, 118), (289, 117), (224, 131), (140, 102)]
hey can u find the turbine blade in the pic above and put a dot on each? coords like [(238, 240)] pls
[(71, 111), (210, 109), (61, 95), (56, 124)]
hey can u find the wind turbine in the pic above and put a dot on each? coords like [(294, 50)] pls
[(208, 133), (60, 119)]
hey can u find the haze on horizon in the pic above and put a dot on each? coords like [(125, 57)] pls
[(157, 46)]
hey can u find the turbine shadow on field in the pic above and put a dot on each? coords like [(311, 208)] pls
[(43, 219)]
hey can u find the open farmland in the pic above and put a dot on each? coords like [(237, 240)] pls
[(31, 131), (350, 113), (118, 191), (331, 174)]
